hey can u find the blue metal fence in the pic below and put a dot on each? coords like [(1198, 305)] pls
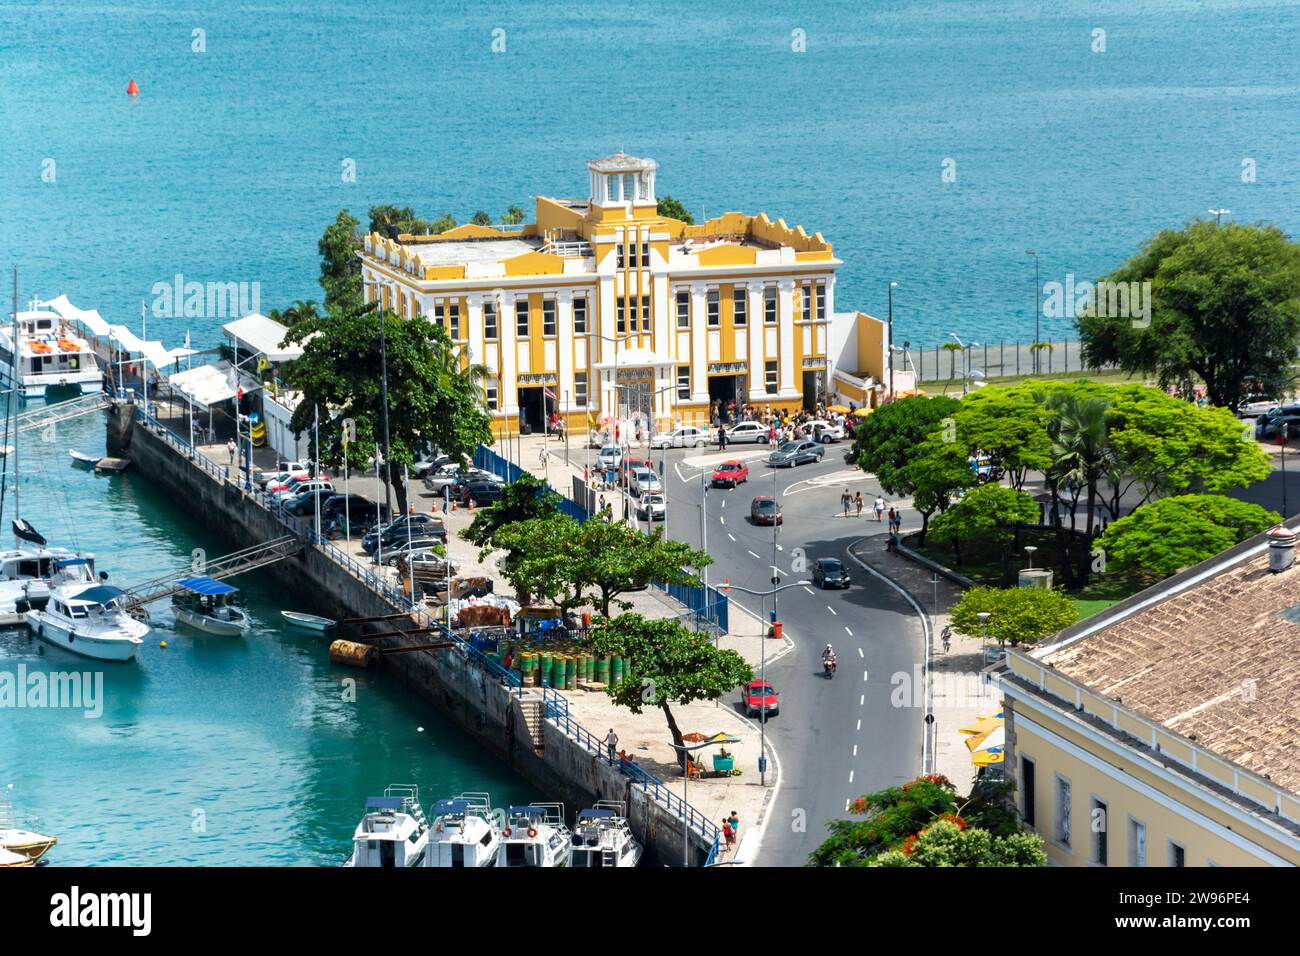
[(708, 604)]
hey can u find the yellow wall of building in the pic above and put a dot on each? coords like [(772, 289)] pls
[(727, 255), (534, 264), (871, 346)]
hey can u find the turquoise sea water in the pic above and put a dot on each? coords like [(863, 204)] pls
[(228, 165), (216, 750)]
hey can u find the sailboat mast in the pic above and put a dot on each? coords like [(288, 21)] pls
[(11, 407)]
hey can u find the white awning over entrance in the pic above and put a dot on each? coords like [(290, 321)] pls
[(209, 385), (257, 334)]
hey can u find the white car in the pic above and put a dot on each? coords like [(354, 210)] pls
[(643, 482), (826, 432), (652, 508), (755, 432), (688, 436), (611, 456), (297, 488)]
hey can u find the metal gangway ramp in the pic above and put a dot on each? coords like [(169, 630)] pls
[(48, 415), (226, 566)]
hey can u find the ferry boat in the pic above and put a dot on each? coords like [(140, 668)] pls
[(40, 351), (206, 605), (393, 832), (90, 621), (20, 846), (464, 834), (535, 835), (602, 838)]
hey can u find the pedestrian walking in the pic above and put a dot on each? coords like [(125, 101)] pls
[(880, 508), (544, 455), (857, 500), (728, 834), (230, 448), (734, 820), (611, 744), (846, 499)]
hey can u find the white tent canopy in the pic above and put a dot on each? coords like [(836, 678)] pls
[(256, 334), (208, 385), (119, 336)]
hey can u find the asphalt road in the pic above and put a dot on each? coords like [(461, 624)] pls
[(835, 739)]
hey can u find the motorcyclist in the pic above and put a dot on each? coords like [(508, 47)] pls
[(828, 656)]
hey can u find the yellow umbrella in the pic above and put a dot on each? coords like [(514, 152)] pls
[(982, 726), (993, 740), (986, 757), (838, 409), (862, 412)]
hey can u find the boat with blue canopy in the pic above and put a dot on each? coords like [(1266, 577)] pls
[(207, 605)]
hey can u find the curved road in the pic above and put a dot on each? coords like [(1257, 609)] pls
[(835, 739)]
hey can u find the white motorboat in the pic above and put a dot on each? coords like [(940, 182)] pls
[(41, 351), (90, 621), (207, 605), (28, 573), (308, 622), (602, 838), (393, 831), (83, 459), (464, 833), (21, 844), (535, 835)]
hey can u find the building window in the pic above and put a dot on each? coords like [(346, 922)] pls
[(489, 320), (580, 316), (1027, 790), (1177, 855), (629, 186), (1099, 822), (1137, 843), (821, 301), (740, 306), (521, 318), (713, 308), (645, 255), (1063, 822), (548, 316), (806, 301), (611, 189), (453, 321), (684, 382), (580, 388), (769, 373), (492, 397), (622, 316), (618, 251), (645, 313), (769, 305), (683, 310)]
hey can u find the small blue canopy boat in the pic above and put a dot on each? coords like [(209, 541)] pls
[(207, 605)]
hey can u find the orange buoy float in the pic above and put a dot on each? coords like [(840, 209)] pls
[(132, 89)]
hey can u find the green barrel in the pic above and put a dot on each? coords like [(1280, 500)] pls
[(543, 668), (528, 666), (585, 666), (570, 674), (616, 671), (602, 670), (557, 671)]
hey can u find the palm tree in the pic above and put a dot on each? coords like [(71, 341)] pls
[(300, 311)]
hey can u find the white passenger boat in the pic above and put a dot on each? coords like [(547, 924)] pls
[(19, 842), (393, 831), (535, 835), (27, 574), (207, 605), (90, 621), (464, 834), (40, 351), (602, 838)]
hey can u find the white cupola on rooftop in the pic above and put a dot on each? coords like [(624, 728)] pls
[(621, 179)]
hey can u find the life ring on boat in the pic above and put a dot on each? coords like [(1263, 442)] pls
[(506, 832), (532, 831)]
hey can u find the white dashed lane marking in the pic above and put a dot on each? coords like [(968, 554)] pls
[(829, 608)]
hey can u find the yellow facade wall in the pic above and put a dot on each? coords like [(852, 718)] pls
[(871, 347), (727, 255)]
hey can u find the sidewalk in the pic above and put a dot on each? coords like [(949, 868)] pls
[(960, 692)]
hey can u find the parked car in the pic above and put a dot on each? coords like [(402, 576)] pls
[(652, 507), (688, 436), (429, 465), (729, 474), (304, 503), (338, 503), (630, 466), (765, 510), (755, 432), (611, 456), (1268, 427), (405, 528), (830, 573), (363, 516), (298, 487), (284, 479), (644, 482), (458, 489), (481, 491), (761, 698), (796, 453), (283, 471), (826, 432), (404, 546)]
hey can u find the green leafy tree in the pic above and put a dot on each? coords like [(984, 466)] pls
[(1017, 615), (442, 224), (988, 513), (524, 499), (340, 269), (481, 218), (938, 471), (403, 217), (433, 399), (541, 560), (948, 843), (1173, 533), (513, 217), (665, 664), (1225, 309), (673, 209), (1010, 426), (952, 348), (884, 444), (300, 311)]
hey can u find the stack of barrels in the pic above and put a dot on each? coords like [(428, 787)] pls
[(562, 665)]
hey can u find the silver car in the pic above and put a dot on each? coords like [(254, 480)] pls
[(755, 432), (796, 453), (688, 436), (611, 456), (644, 481)]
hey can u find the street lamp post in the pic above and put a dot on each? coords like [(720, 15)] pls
[(892, 287), (1038, 309), (1029, 550), (1218, 214), (383, 386)]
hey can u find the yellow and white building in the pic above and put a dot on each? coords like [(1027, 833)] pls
[(604, 296), (1165, 731)]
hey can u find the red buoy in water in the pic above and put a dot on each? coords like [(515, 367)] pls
[(132, 89)]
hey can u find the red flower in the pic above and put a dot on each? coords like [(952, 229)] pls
[(908, 845), (954, 818)]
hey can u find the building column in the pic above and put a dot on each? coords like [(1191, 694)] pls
[(757, 378), (699, 343), (602, 390), (785, 339), (474, 316), (564, 349), (509, 397)]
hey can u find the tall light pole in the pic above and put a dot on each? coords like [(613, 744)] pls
[(965, 375), (1218, 214), (892, 287), (1038, 309), (383, 384)]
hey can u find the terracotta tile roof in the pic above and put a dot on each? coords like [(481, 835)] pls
[(1215, 662)]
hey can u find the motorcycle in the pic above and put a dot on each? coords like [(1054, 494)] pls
[(828, 666)]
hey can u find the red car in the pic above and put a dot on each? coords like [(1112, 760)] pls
[(761, 697), (765, 510), (730, 473)]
